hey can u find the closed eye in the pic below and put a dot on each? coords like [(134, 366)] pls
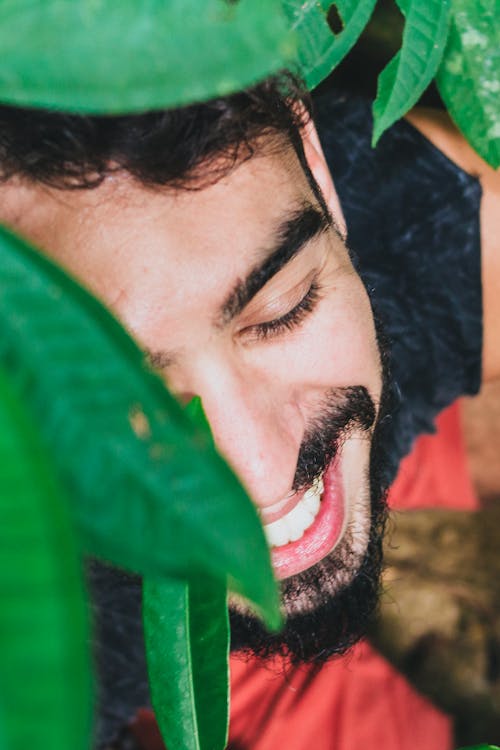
[(292, 319)]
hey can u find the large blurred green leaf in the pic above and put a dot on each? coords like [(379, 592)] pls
[(481, 747), (44, 637), (320, 50), (408, 74), (149, 491), (105, 56), (469, 76), (187, 641), (3, 735)]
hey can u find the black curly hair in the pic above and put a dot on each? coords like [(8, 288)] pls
[(188, 148)]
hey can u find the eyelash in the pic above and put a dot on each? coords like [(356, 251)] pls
[(292, 318)]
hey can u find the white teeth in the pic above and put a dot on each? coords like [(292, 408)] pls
[(299, 519), (291, 527), (277, 534), (312, 497)]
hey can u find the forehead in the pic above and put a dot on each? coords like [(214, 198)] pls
[(125, 240)]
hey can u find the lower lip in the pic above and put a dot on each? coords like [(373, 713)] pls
[(321, 537)]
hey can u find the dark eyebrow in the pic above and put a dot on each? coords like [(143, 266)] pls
[(292, 235)]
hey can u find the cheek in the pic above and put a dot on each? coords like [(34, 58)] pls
[(348, 332), (335, 348)]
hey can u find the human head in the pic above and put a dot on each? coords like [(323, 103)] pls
[(215, 234)]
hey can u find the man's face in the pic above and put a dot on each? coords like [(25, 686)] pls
[(244, 293)]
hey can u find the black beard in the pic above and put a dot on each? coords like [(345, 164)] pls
[(339, 619)]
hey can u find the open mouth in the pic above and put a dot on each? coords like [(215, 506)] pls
[(311, 528)]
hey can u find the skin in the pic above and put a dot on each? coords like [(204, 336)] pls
[(165, 262)]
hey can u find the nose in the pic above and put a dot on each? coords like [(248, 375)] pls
[(254, 429)]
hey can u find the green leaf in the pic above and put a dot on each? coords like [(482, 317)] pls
[(196, 413), (154, 496), (320, 50), (44, 634), (469, 76), (187, 641), (481, 747), (408, 74), (3, 734), (112, 57)]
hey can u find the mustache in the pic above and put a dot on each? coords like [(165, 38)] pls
[(343, 410)]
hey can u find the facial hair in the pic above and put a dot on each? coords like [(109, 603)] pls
[(342, 590)]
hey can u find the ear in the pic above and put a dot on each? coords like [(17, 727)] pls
[(317, 163)]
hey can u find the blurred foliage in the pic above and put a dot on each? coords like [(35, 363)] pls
[(128, 56), (90, 56), (469, 76), (98, 406), (44, 624), (407, 75), (137, 470), (326, 32)]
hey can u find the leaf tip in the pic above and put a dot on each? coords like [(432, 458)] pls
[(377, 132), (272, 614), (275, 621), (380, 122)]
